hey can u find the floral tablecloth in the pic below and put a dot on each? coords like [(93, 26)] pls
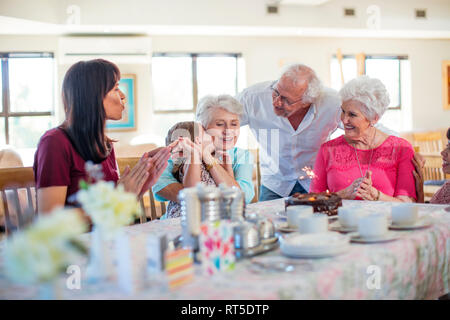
[(416, 266)]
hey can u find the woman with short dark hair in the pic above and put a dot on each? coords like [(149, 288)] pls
[(442, 196), (91, 95)]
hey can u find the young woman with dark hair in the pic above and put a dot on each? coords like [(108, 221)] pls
[(91, 95)]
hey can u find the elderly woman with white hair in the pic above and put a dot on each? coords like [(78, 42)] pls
[(212, 148), (365, 163)]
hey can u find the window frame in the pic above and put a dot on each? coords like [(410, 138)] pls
[(194, 57), (5, 112), (383, 57)]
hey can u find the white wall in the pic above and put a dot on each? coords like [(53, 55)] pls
[(398, 14), (264, 58)]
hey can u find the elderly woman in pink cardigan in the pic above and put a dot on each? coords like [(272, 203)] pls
[(365, 163)]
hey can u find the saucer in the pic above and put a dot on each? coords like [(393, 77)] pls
[(283, 216), (284, 227), (388, 236), (419, 224), (336, 226)]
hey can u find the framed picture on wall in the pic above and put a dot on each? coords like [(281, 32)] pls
[(127, 85), (446, 84)]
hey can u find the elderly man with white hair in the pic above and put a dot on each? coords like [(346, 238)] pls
[(291, 118), (225, 163), (365, 163)]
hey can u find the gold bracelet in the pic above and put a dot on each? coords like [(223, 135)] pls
[(209, 166)]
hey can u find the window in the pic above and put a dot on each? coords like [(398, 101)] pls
[(180, 80), (27, 95), (386, 68), (394, 73)]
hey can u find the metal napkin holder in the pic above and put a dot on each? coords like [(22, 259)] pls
[(210, 204)]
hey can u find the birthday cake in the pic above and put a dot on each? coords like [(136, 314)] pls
[(323, 202)]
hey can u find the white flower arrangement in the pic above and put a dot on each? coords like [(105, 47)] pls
[(109, 207), (42, 251)]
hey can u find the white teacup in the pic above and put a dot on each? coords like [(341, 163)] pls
[(372, 225), (314, 223), (404, 214), (295, 212), (348, 217)]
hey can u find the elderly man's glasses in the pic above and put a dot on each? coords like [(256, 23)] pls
[(284, 100)]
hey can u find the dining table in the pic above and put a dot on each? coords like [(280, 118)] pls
[(415, 265)]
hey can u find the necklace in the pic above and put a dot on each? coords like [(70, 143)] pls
[(370, 160)]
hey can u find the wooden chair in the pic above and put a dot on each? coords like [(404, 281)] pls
[(126, 161), (153, 206), (134, 151), (256, 176), (18, 196), (432, 172), (430, 143), (149, 205)]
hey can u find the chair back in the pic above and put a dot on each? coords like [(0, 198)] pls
[(148, 203), (127, 150), (433, 168), (432, 171), (18, 195), (126, 161), (430, 143)]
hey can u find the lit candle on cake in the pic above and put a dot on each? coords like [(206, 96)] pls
[(309, 173)]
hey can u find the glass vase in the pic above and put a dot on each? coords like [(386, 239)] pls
[(100, 263)]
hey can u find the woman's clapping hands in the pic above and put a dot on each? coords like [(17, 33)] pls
[(146, 172)]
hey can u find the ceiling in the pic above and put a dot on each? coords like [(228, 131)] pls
[(302, 18)]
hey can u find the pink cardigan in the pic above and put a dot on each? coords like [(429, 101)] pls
[(336, 167)]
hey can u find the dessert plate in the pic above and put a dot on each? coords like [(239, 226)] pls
[(419, 224), (315, 245), (277, 264), (311, 255), (388, 236)]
